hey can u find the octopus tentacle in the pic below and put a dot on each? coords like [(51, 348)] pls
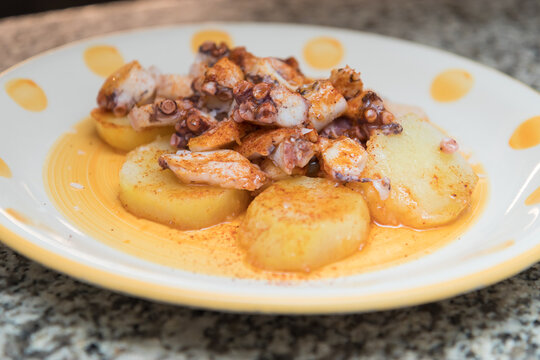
[(191, 123), (161, 113), (268, 104)]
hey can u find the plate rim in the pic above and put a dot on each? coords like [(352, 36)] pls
[(259, 304)]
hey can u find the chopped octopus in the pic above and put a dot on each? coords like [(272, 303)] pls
[(166, 112), (173, 86), (224, 168), (128, 86), (268, 104), (342, 159), (327, 103), (250, 120), (223, 135)]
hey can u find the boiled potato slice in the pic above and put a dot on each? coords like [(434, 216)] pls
[(301, 224), (117, 131), (428, 187), (150, 192)]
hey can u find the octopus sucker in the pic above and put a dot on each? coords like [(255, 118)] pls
[(368, 107), (268, 104), (161, 113), (192, 122)]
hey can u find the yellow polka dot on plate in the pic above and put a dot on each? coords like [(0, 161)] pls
[(534, 198), (451, 85), (103, 60), (4, 169), (27, 94), (217, 36), (526, 135), (323, 52)]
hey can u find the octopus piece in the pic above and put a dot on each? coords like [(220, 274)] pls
[(161, 113), (269, 104), (219, 80), (293, 153), (262, 143), (129, 86), (368, 107), (274, 70), (243, 58), (292, 108), (173, 86), (326, 102), (342, 159), (209, 53), (337, 128), (224, 134), (293, 63), (358, 131), (224, 73), (273, 172), (193, 122), (224, 168), (347, 82)]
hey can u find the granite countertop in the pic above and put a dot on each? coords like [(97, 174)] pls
[(46, 315)]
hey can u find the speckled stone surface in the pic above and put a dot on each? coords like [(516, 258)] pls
[(45, 315)]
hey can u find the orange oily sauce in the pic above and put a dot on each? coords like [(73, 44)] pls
[(81, 157)]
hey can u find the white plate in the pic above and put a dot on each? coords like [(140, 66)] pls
[(502, 242)]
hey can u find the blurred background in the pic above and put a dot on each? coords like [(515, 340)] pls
[(10, 7), (503, 34)]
